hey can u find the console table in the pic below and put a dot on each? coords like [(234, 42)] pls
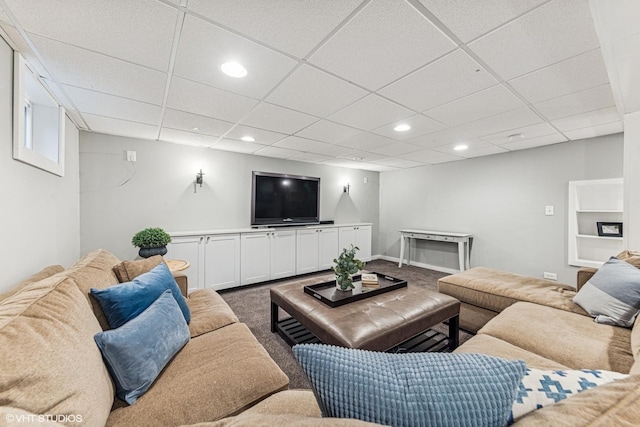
[(462, 239)]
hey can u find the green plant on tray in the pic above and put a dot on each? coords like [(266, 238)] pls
[(346, 266)]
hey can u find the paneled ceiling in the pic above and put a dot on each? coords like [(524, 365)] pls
[(328, 80)]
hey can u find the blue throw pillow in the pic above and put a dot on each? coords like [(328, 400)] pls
[(125, 301), (411, 389), (612, 295), (138, 351)]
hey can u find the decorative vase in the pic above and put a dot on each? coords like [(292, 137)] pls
[(149, 252)]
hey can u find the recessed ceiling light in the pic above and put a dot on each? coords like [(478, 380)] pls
[(516, 136), (233, 69), (195, 129), (461, 147), (358, 158), (402, 127), (248, 138)]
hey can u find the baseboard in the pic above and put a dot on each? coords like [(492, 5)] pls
[(418, 264)]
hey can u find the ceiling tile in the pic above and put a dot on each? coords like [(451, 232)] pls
[(509, 120), (327, 131), (126, 128), (205, 47), (551, 33), (195, 123), (396, 149), (435, 139), (363, 156), (399, 163), (423, 156), (366, 141), (105, 27), (100, 104), (485, 151), (584, 120), (534, 142), (278, 119), (449, 78), (261, 136), (186, 95), (472, 144), (4, 19), (311, 157), (195, 139), (593, 131), (486, 103), (528, 132), (315, 92), (383, 42), (576, 103), (300, 144), (354, 164), (335, 151), (237, 146), (281, 153), (370, 112), (420, 125), (470, 19), (572, 75), (306, 23), (83, 68)]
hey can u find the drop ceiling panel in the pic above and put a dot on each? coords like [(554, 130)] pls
[(261, 136), (534, 142), (100, 104), (472, 144), (113, 126), (584, 120), (366, 141), (300, 144), (485, 151), (593, 131), (435, 139), (80, 67), (528, 132), (395, 149), (572, 75), (370, 112), (335, 151), (237, 146), (315, 92), (576, 103), (383, 42), (486, 103), (551, 33), (327, 131), (470, 19), (280, 153), (449, 78), (205, 47), (399, 163), (187, 138), (420, 125), (196, 123), (277, 119), (311, 157), (363, 156), (196, 98), (509, 120), (105, 26), (306, 23)]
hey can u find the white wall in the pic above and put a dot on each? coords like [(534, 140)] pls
[(500, 199), (39, 219), (160, 192)]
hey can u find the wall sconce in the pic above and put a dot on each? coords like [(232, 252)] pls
[(199, 180), (346, 188)]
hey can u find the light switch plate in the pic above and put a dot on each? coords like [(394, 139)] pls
[(548, 210)]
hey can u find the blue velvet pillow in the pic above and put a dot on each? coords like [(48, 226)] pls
[(411, 389), (125, 301), (138, 351)]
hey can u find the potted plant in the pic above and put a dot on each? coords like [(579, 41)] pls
[(346, 266), (151, 241)]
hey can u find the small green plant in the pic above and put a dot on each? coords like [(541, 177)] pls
[(346, 265), (150, 238)]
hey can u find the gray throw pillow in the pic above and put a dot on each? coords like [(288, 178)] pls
[(612, 295)]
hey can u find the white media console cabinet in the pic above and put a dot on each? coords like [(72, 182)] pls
[(221, 259)]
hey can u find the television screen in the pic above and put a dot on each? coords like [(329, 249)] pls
[(279, 199)]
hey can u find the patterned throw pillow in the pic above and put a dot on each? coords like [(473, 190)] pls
[(612, 295), (541, 388), (411, 389)]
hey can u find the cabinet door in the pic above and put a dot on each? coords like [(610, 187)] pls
[(363, 241), (222, 261), (255, 259), (307, 250), (346, 238), (328, 248), (283, 254), (189, 249)]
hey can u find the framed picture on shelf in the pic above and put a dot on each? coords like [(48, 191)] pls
[(609, 229)]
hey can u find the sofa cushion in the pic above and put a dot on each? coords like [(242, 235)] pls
[(124, 302), (137, 351), (411, 389), (42, 274), (209, 311), (216, 375), (612, 295), (50, 363), (635, 347), (558, 335), (129, 270), (632, 257)]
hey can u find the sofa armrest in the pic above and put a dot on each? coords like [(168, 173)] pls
[(183, 282), (584, 274)]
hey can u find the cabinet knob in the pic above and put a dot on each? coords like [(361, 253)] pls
[(208, 238), (201, 239)]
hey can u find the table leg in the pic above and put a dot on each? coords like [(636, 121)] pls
[(467, 253), (401, 250), (454, 332), (274, 316)]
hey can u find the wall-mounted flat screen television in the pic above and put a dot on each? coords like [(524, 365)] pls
[(280, 199)]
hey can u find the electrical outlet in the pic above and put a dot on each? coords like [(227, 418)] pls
[(131, 156), (550, 276), (548, 210), (366, 179)]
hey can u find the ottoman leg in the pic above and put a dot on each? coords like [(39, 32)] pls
[(274, 316), (454, 332)]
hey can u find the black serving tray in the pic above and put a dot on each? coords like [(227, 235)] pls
[(328, 294)]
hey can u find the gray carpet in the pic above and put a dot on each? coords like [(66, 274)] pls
[(252, 306)]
